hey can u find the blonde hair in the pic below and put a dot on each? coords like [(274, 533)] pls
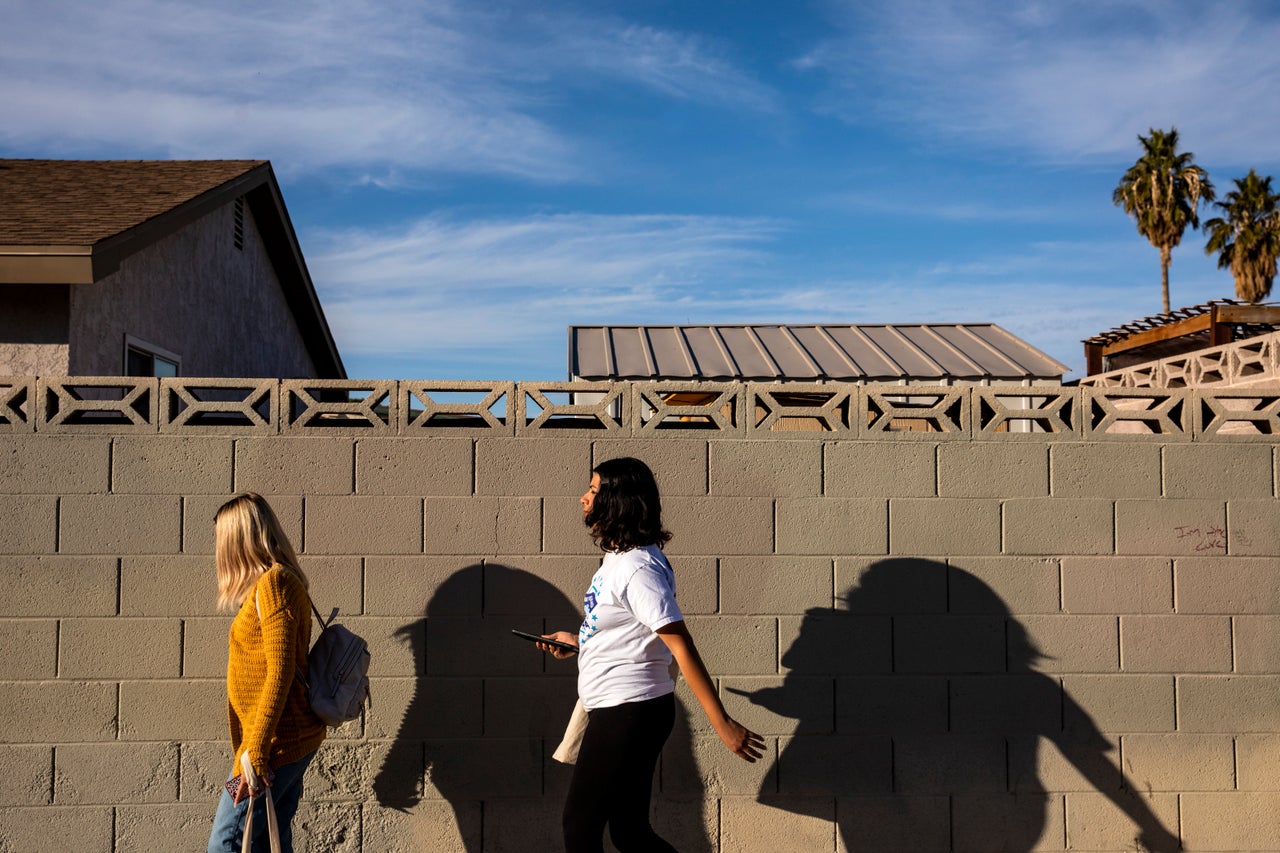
[(248, 540)]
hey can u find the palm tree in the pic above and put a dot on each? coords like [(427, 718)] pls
[(1163, 191), (1247, 240)]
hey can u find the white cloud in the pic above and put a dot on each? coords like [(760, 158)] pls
[(1065, 80), (384, 89)]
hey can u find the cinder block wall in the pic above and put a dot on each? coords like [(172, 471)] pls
[(963, 639)]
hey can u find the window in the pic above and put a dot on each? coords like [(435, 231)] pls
[(144, 359)]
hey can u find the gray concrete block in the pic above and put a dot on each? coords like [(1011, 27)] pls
[(735, 645), (59, 712), (119, 648), (1008, 821), (483, 647), (995, 469), (418, 585), (1226, 585), (26, 776), (718, 526), (776, 823), (1106, 470), (880, 469), (893, 586), (198, 512), (193, 709), (1095, 822), (59, 828), (835, 642), (362, 524), (430, 825), (1256, 641), (891, 704), (948, 643), (413, 709), (563, 529), (1075, 643), (536, 707), (1230, 704), (59, 586), (548, 588), (336, 582), (1003, 585), (775, 468), (1230, 821), (1258, 762), (532, 467), (1117, 704), (678, 464), (810, 765), (120, 524), (1057, 526), (1180, 762), (295, 465), (706, 768), (1214, 470), (30, 524), (28, 650), (832, 526), (55, 465), (697, 585), (941, 526), (162, 465), (483, 526), (176, 585), (773, 706), (1117, 585), (170, 827), (1253, 528), (949, 764), (481, 768), (896, 824), (1176, 644), (203, 766), (775, 585), (386, 466), (82, 768), (1015, 702), (1171, 527), (204, 646)]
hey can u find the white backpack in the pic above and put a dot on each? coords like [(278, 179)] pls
[(338, 666)]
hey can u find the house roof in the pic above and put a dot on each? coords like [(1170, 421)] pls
[(74, 221), (770, 352)]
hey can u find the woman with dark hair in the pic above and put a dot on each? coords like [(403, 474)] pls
[(632, 630)]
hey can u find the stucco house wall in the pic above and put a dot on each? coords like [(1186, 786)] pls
[(960, 638), (193, 293)]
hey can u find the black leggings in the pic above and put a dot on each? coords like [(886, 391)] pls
[(613, 778)]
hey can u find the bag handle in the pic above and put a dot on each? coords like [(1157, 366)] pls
[(269, 805)]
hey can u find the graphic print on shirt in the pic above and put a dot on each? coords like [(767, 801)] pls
[(589, 628)]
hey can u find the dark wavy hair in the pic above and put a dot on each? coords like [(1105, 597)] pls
[(626, 512)]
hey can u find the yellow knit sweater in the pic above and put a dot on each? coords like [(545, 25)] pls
[(267, 706)]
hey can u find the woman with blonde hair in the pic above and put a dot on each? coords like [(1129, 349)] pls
[(271, 721)]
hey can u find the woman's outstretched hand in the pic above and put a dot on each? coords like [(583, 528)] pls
[(562, 636), (741, 741)]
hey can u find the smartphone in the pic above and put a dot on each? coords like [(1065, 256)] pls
[(534, 638)]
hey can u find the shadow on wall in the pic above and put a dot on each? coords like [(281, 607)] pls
[(940, 750), (494, 768)]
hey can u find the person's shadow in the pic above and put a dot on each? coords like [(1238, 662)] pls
[(494, 769), (921, 729)]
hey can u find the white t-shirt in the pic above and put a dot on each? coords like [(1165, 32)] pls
[(620, 658)]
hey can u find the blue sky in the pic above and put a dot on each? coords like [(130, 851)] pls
[(468, 179)]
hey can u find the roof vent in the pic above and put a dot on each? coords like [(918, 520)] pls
[(239, 223)]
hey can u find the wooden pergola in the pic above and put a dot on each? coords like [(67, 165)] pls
[(1211, 324)]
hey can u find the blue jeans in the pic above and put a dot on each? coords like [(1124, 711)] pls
[(228, 821)]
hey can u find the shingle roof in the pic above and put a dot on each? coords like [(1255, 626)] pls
[(860, 353), (82, 202)]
